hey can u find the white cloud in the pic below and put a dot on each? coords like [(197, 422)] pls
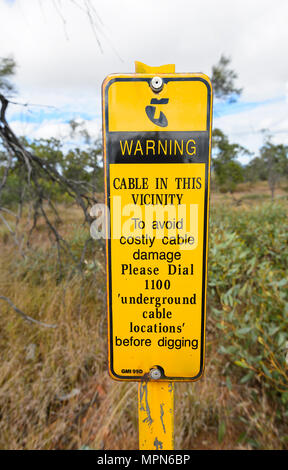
[(52, 128), (245, 127)]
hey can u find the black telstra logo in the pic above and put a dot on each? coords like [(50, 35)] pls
[(150, 111)]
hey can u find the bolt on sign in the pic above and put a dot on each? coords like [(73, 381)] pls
[(157, 139)]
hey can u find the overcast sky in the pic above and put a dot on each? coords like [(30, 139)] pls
[(61, 64)]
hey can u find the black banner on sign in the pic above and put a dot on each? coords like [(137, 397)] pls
[(158, 147)]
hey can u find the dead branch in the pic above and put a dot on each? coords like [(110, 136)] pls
[(35, 169), (17, 243), (24, 316)]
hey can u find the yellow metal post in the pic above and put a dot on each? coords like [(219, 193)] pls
[(143, 68), (156, 415), (155, 399)]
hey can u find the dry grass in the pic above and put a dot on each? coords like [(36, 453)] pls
[(249, 194), (211, 414), (55, 392)]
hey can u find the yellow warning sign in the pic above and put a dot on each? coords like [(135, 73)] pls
[(157, 165)]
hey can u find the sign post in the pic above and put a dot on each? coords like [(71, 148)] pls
[(157, 140)]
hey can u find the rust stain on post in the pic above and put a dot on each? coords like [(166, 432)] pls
[(161, 416), (144, 404)]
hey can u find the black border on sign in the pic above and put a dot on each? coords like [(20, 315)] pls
[(206, 215)]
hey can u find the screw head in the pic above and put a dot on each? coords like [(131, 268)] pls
[(155, 374), (156, 84)]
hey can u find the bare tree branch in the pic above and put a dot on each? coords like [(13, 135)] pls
[(24, 316), (17, 243), (37, 170)]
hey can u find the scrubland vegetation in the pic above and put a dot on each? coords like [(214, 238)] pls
[(55, 392)]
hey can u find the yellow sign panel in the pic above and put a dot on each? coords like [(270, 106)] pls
[(157, 163), (129, 114)]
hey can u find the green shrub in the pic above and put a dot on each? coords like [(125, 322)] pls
[(248, 290)]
